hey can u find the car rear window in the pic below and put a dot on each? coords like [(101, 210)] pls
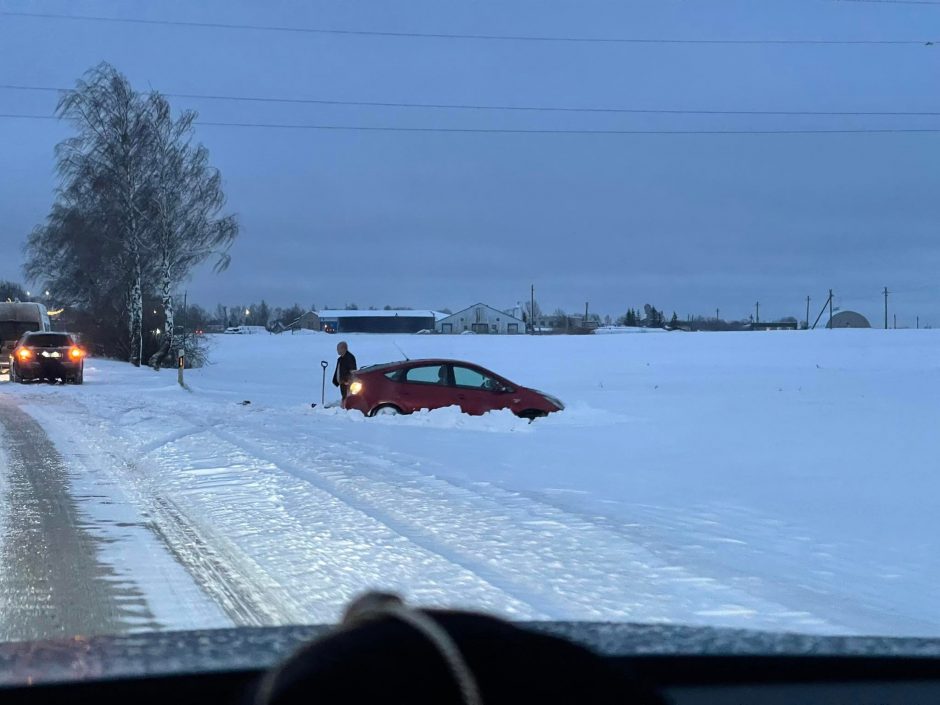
[(49, 340)]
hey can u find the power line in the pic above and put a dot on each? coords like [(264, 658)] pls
[(524, 131), (895, 2), (487, 37), (527, 108)]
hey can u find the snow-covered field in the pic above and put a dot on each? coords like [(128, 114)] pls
[(779, 480)]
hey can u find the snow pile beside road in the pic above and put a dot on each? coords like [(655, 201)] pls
[(780, 480), (447, 418)]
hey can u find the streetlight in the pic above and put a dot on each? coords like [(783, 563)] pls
[(47, 292), (157, 331)]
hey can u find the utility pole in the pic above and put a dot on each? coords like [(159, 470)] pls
[(918, 323), (828, 302), (886, 309), (532, 309), (895, 321), (757, 313), (807, 313), (586, 312), (717, 317)]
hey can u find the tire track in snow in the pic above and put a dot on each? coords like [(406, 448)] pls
[(563, 564), (657, 530), (243, 603), (529, 552), (167, 439), (225, 575), (221, 576), (541, 601), (227, 547)]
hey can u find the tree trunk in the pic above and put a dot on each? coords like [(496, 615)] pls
[(166, 344), (137, 314)]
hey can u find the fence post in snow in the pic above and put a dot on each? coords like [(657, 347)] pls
[(180, 364)]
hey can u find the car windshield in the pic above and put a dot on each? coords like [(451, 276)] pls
[(590, 310)]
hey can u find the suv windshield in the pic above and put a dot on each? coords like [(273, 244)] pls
[(583, 310)]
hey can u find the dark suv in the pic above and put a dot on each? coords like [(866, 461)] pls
[(48, 356)]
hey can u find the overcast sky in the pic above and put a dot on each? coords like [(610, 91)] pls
[(688, 223)]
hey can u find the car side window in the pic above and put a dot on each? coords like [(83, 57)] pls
[(465, 377), (394, 375), (430, 374)]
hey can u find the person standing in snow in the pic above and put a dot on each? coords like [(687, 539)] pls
[(345, 366)]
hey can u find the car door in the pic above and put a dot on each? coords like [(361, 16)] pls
[(479, 391), (426, 387)]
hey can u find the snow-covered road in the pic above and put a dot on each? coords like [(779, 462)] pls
[(74, 552), (219, 512), (43, 521)]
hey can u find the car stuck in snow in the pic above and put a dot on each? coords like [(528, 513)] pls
[(412, 385)]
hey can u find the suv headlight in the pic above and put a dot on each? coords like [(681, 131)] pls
[(355, 387)]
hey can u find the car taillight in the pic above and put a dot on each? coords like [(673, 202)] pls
[(75, 353), (23, 354)]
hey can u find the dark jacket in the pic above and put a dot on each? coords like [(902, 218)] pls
[(345, 365)]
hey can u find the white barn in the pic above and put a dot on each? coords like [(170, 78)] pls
[(481, 318)]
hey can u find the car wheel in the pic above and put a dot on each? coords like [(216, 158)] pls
[(386, 410), (532, 414), (80, 377)]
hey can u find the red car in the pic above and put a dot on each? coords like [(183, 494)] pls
[(405, 387)]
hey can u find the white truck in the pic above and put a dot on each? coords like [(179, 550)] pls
[(15, 319)]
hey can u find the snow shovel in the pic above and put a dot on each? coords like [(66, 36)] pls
[(323, 364)]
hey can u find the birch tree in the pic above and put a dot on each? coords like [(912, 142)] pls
[(138, 207), (109, 160), (186, 201)]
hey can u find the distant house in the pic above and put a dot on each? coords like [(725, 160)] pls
[(481, 318), (400, 321), (574, 323), (848, 319), (308, 321)]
